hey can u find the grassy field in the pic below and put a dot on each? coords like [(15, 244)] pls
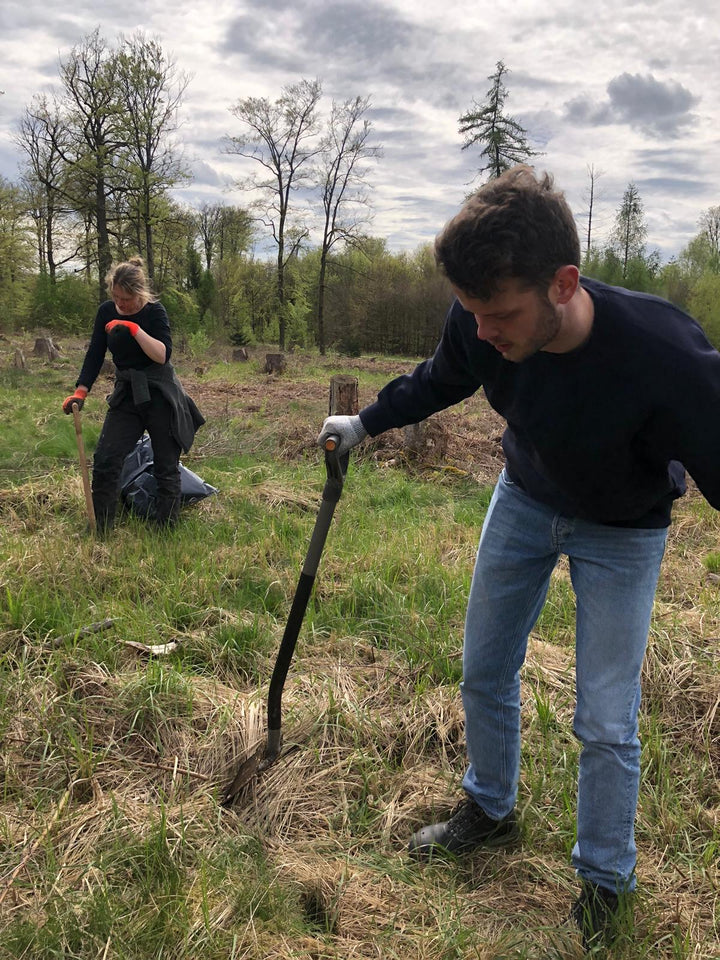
[(117, 743)]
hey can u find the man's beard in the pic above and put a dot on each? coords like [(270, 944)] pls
[(546, 329)]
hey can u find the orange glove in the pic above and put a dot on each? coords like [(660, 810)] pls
[(132, 327), (78, 397)]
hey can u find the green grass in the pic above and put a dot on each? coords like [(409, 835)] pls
[(113, 840)]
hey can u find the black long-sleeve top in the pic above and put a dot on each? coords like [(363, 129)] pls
[(603, 432), (126, 353)]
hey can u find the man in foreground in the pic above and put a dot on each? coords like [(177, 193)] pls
[(608, 395)]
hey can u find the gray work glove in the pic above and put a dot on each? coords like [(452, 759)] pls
[(349, 429)]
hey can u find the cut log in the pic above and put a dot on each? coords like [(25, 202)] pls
[(240, 354), (427, 440), (343, 396), (274, 363), (44, 347)]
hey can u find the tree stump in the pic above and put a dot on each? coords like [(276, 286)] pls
[(425, 440), (19, 361), (240, 354), (343, 396), (107, 369), (44, 347), (274, 363)]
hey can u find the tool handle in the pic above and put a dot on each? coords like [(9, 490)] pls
[(84, 467), (335, 466)]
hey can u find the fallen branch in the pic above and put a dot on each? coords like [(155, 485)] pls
[(85, 631)]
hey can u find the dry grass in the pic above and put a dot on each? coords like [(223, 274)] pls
[(114, 764)]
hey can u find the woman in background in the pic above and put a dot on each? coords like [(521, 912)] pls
[(134, 326)]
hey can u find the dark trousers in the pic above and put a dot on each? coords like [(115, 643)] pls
[(123, 427)]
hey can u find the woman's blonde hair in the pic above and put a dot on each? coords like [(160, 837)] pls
[(130, 276)]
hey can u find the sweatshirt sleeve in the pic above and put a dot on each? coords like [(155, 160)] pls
[(452, 374), (95, 352), (689, 430)]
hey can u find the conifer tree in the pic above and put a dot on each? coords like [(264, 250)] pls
[(504, 141)]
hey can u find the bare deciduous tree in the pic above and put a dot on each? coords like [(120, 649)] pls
[(280, 137), (150, 89), (710, 224), (42, 135), (342, 170), (97, 138), (591, 196)]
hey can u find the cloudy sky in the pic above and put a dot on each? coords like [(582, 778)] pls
[(628, 86)]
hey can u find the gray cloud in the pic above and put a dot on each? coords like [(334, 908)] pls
[(675, 186), (205, 175), (642, 102), (422, 66)]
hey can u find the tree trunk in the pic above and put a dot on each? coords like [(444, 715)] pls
[(149, 252), (281, 292), (321, 305), (103, 238)]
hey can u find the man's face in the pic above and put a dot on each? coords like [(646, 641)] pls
[(516, 321)]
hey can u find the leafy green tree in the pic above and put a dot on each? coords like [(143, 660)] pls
[(209, 224), (674, 284), (704, 305), (236, 232), (174, 232), (16, 252), (245, 297), (279, 137), (504, 141)]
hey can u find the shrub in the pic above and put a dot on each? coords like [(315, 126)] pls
[(66, 306)]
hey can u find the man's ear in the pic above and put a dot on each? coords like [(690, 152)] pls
[(565, 283)]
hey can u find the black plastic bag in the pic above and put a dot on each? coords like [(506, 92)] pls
[(138, 487)]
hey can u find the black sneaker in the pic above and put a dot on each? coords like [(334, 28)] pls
[(468, 828), (600, 914)]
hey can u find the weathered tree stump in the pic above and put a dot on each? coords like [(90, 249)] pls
[(19, 361), (425, 440), (343, 395), (274, 363), (44, 347), (240, 354)]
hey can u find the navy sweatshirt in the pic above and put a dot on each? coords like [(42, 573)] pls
[(126, 353), (604, 432)]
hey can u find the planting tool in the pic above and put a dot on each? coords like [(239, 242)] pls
[(263, 757), (84, 467)]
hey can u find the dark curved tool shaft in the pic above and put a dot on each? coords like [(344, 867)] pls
[(336, 468), (261, 759)]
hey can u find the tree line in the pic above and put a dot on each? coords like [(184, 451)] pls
[(101, 157)]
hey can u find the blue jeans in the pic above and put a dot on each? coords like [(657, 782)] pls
[(614, 572)]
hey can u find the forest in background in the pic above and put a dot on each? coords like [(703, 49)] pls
[(101, 160)]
